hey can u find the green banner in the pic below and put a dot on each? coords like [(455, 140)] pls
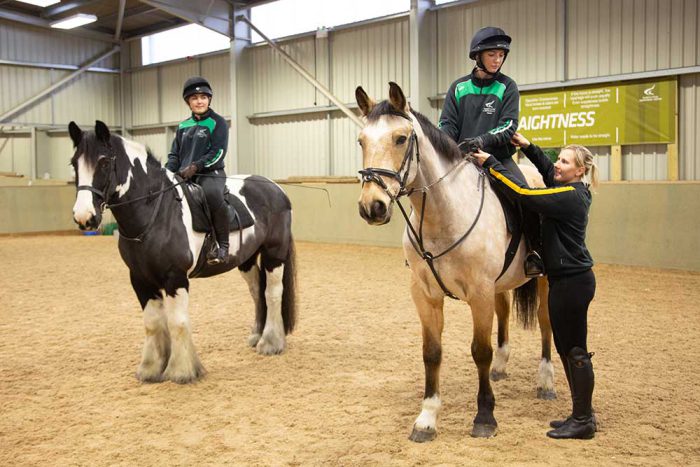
[(602, 115)]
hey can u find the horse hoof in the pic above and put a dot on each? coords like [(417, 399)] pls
[(483, 431), (265, 347), (152, 378), (253, 339), (546, 394), (422, 436), (498, 375)]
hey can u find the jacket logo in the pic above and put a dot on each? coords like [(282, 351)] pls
[(488, 108), (202, 133)]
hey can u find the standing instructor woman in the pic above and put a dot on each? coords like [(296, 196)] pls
[(564, 207)]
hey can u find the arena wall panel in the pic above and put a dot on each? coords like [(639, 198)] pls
[(535, 54), (689, 130), (609, 37)]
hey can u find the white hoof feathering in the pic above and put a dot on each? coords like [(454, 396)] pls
[(545, 380), (500, 360), (273, 340)]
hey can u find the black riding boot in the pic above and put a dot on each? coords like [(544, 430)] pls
[(581, 424), (534, 266), (221, 226)]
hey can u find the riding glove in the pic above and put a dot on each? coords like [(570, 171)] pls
[(188, 172)]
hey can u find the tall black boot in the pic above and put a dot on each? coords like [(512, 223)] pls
[(221, 226), (581, 424)]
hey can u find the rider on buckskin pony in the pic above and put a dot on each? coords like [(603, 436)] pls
[(197, 154), (481, 112)]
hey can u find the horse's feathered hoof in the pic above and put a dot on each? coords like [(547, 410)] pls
[(422, 436), (152, 378), (498, 375), (546, 394), (269, 346), (483, 431)]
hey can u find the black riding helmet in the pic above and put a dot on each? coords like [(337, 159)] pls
[(488, 38), (196, 85)]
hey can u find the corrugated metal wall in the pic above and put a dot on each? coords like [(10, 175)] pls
[(15, 153), (60, 148), (156, 139), (533, 25), (608, 37), (689, 131), (314, 144)]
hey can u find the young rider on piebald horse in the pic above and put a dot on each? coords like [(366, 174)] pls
[(198, 152), (481, 112)]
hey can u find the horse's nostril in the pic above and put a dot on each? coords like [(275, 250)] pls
[(378, 209)]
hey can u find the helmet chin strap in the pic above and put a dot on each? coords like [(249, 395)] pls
[(480, 65)]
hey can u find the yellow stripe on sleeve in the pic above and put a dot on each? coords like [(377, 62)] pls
[(527, 191)]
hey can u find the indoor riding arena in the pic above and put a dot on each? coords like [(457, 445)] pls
[(116, 351)]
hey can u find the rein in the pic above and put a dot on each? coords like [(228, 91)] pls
[(372, 174), (105, 195)]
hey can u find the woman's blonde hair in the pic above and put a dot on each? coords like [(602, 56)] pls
[(584, 158)]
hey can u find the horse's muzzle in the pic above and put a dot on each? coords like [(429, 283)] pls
[(377, 213), (91, 223)]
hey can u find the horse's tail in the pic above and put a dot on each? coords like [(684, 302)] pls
[(526, 303), (289, 279)]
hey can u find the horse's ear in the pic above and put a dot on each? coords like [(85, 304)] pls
[(101, 131), (396, 98), (363, 100), (76, 134)]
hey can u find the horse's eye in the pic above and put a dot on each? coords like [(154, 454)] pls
[(400, 140), (103, 163)]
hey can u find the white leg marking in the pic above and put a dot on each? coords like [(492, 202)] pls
[(252, 278), (500, 360), (156, 346), (545, 380), (273, 340), (427, 420), (184, 365)]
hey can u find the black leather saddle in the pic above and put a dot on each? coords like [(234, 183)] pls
[(239, 216)]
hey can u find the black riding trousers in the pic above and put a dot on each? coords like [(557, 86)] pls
[(569, 297)]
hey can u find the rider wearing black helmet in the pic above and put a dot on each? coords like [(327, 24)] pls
[(198, 152), (481, 112)]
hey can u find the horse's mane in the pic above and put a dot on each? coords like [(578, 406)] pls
[(443, 144), (89, 147)]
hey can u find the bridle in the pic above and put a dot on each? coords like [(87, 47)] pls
[(373, 174), (108, 191)]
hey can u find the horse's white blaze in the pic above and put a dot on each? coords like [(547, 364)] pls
[(272, 340), (84, 209), (252, 278), (183, 358), (501, 359), (545, 373), (427, 420), (157, 342)]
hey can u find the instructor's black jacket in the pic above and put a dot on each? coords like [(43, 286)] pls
[(483, 107), (202, 140), (564, 211)]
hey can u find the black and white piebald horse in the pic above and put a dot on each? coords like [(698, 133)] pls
[(158, 244)]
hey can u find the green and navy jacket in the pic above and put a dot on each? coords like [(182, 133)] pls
[(483, 107), (201, 139), (564, 210)]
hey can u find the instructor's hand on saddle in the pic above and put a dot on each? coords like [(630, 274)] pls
[(481, 156), (188, 172), (519, 140)]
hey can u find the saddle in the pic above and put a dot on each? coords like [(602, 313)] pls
[(239, 216), (513, 213)]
